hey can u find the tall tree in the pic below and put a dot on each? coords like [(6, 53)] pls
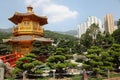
[(94, 60), (98, 60), (43, 51), (116, 35), (100, 39), (89, 38), (118, 23), (108, 40), (115, 53), (93, 31), (86, 40)]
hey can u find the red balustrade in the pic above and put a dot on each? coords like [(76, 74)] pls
[(10, 58)]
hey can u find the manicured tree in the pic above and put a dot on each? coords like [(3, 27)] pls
[(40, 48), (79, 48), (86, 40), (42, 51), (94, 60), (4, 49), (114, 51), (107, 41), (28, 62), (100, 39), (68, 45), (98, 61), (59, 61), (116, 35), (107, 62)]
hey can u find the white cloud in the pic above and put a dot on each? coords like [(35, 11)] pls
[(55, 12)]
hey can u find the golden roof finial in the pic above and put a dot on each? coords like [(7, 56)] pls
[(29, 9)]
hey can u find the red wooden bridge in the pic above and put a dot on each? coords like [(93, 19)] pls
[(10, 58)]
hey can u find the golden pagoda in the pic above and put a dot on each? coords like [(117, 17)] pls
[(29, 28)]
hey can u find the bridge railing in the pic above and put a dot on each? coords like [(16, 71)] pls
[(10, 58)]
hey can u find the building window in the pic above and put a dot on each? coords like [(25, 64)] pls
[(26, 22)]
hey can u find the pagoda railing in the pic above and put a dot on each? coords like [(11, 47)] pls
[(21, 31)]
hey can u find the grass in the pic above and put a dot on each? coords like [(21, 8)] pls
[(79, 77), (112, 75), (76, 77)]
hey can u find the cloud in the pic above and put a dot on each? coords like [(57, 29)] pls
[(55, 12)]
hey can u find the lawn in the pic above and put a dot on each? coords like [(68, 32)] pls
[(78, 77)]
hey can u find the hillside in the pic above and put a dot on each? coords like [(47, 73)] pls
[(70, 32), (55, 35), (6, 33)]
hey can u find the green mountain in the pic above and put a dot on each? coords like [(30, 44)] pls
[(9, 30), (70, 32), (56, 36)]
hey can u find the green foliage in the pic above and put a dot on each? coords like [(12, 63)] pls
[(5, 48), (116, 35), (89, 38), (59, 60), (36, 62), (19, 64), (30, 55), (114, 51), (4, 35), (16, 70), (28, 65), (71, 65), (38, 71), (86, 40), (68, 56), (55, 60), (118, 23), (42, 49), (80, 48), (93, 30), (28, 62), (98, 60), (59, 65), (57, 37), (107, 41)]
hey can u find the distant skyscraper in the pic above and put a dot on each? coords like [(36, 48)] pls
[(84, 26), (109, 23)]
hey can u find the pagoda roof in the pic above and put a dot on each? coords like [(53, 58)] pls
[(18, 17)]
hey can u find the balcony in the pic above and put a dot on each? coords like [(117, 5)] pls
[(27, 31)]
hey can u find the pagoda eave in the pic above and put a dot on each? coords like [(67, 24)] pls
[(18, 17)]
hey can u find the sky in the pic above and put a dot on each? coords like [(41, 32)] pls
[(63, 15)]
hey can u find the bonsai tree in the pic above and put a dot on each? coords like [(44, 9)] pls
[(42, 51), (27, 63), (114, 51), (98, 61), (59, 61)]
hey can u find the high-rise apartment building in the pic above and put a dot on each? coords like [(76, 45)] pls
[(84, 26), (109, 23)]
